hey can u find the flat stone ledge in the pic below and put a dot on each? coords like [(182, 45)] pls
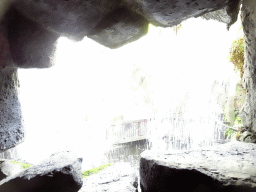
[(226, 167)]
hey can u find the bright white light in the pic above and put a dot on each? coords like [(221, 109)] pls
[(91, 79)]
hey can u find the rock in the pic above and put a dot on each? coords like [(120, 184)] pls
[(31, 46), (118, 28), (227, 14), (73, 19), (60, 173), (170, 13), (8, 168), (11, 123), (115, 178), (226, 167), (248, 18)]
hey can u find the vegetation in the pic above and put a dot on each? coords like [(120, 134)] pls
[(238, 121), (228, 133), (236, 55), (23, 165), (94, 170)]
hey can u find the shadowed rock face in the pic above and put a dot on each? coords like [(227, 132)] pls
[(60, 173), (248, 17), (11, 128), (228, 167), (169, 13)]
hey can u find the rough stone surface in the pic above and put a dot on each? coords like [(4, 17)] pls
[(120, 177), (227, 167), (226, 15), (7, 168), (118, 28), (72, 18), (11, 127), (170, 13), (31, 46), (60, 173), (248, 17)]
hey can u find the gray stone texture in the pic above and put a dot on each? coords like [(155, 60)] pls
[(11, 123), (7, 168), (227, 167), (60, 173), (119, 27), (120, 177), (31, 45), (248, 17), (170, 13), (71, 18), (227, 14)]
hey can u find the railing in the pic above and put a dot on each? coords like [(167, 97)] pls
[(128, 131), (177, 133)]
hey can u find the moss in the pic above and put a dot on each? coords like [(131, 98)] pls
[(95, 170), (23, 165)]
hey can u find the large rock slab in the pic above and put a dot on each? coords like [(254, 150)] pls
[(11, 122), (73, 18), (170, 13), (120, 27), (60, 173), (226, 167), (227, 14)]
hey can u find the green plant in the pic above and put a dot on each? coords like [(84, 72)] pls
[(238, 121), (23, 165), (94, 170), (229, 133), (236, 55)]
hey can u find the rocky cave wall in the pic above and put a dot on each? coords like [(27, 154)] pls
[(29, 30)]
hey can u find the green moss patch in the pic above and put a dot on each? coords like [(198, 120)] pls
[(94, 170), (23, 165)]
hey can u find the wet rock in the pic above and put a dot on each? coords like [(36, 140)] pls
[(170, 13), (227, 14), (11, 122), (118, 28), (226, 167), (115, 178), (73, 18), (31, 46), (61, 172), (248, 18)]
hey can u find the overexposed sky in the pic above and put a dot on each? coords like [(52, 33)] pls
[(91, 79)]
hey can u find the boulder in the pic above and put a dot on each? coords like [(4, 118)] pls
[(170, 13), (8, 168), (227, 14), (118, 28), (60, 173), (30, 45), (73, 18), (11, 122), (225, 167)]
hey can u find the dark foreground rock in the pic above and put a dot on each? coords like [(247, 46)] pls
[(227, 167), (120, 177), (60, 173)]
